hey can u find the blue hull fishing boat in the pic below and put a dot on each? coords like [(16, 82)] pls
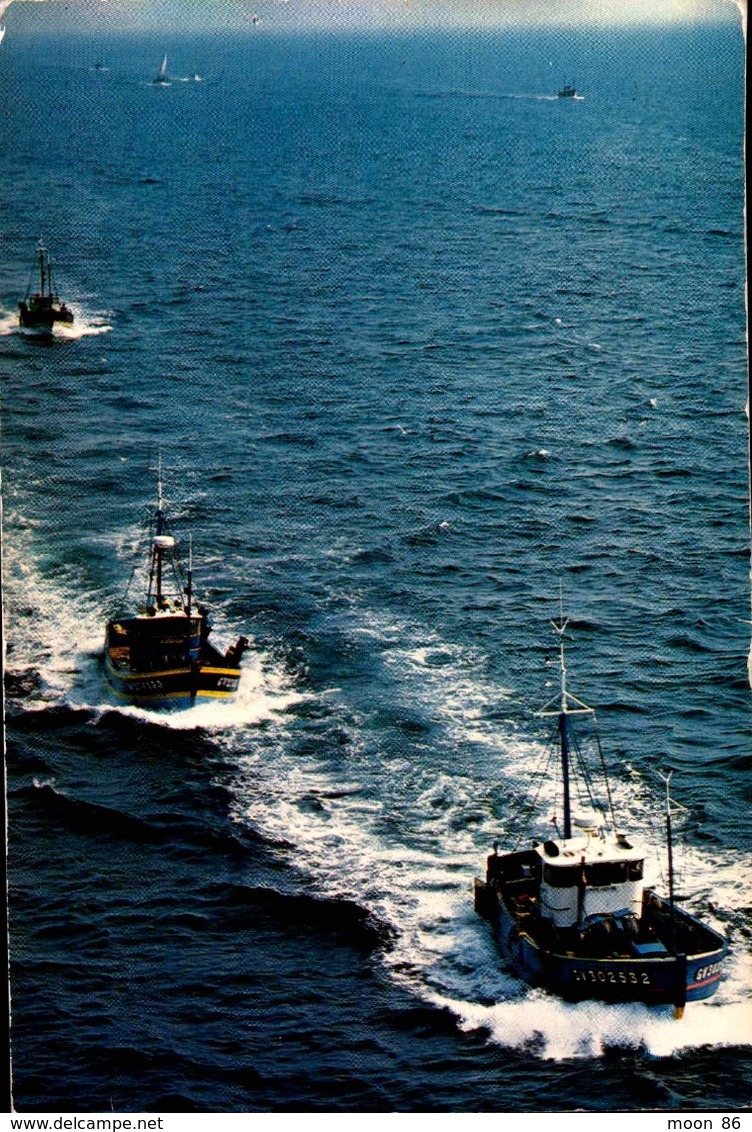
[(572, 913), (159, 655)]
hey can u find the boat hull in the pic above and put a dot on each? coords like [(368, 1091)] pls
[(174, 688), (35, 316), (202, 673), (666, 979)]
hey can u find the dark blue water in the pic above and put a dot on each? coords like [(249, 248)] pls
[(418, 342)]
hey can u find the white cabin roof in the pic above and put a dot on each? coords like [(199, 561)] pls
[(173, 609), (573, 850)]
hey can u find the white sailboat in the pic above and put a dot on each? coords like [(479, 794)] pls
[(161, 79)]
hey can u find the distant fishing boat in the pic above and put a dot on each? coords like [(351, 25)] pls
[(567, 91), (161, 78), (41, 309), (573, 915), (158, 655)]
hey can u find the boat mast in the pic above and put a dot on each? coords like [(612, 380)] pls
[(189, 586), (563, 732), (41, 250), (565, 776), (160, 526), (159, 517), (681, 959), (192, 658), (670, 851), (567, 705)]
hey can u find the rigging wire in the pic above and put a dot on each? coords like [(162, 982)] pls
[(583, 780), (529, 809), (603, 768), (138, 554)]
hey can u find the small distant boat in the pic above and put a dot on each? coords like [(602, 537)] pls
[(99, 66), (161, 78), (158, 655), (41, 309), (567, 91), (2, 33), (573, 915)]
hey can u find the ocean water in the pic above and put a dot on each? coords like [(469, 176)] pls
[(418, 343)]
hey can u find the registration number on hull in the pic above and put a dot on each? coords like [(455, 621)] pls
[(613, 978), (710, 971), (230, 682)]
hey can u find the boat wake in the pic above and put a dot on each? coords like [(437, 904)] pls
[(405, 834), (441, 951), (264, 694), (559, 1031), (85, 326), (174, 80), (514, 96), (373, 804)]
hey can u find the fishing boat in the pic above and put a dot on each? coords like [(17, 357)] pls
[(567, 91), (158, 655), (573, 913), (161, 78), (41, 309)]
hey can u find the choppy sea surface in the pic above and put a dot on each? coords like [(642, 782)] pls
[(418, 341)]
